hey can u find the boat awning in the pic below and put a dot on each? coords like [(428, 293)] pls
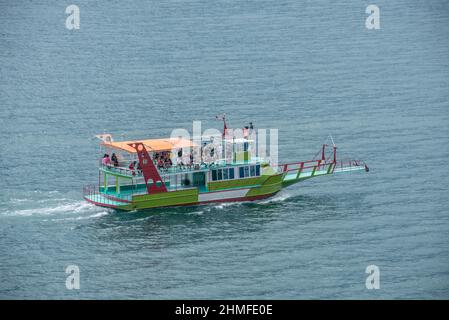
[(152, 145)]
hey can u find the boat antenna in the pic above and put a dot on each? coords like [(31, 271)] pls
[(332, 139), (334, 147), (322, 151)]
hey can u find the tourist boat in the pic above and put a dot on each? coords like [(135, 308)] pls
[(152, 173)]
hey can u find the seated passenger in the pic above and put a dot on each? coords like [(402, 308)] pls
[(179, 162)]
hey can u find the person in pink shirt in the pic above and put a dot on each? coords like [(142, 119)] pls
[(106, 161)]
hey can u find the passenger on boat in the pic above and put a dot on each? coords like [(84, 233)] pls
[(106, 161), (114, 160), (179, 163), (245, 132), (131, 167), (251, 128)]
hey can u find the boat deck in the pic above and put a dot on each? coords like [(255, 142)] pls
[(126, 194), (99, 198), (303, 175), (296, 174)]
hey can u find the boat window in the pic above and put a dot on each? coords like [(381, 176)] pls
[(253, 171), (225, 174), (241, 172)]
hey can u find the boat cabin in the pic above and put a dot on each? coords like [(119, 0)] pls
[(180, 164)]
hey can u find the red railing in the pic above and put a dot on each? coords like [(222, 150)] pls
[(320, 165), (303, 165)]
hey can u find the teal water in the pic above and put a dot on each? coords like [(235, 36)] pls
[(310, 68)]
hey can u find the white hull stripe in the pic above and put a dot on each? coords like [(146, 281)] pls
[(222, 195)]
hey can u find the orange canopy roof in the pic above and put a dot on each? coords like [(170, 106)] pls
[(152, 145)]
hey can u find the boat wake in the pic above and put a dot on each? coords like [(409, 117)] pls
[(80, 209), (280, 197), (224, 205), (92, 216)]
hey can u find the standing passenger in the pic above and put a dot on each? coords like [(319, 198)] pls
[(106, 161), (114, 160), (131, 167)]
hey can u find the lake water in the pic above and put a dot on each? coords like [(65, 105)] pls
[(309, 68)]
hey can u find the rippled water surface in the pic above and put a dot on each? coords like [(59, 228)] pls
[(310, 68)]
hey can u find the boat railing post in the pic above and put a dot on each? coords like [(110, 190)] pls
[(301, 166), (335, 154), (313, 171)]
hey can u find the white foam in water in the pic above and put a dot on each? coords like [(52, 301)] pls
[(69, 208), (92, 216), (14, 200), (199, 213), (277, 198), (223, 205)]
